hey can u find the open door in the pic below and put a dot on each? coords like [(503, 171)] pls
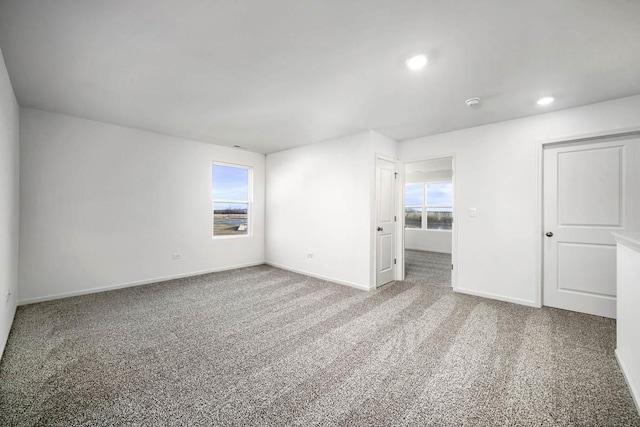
[(385, 222)]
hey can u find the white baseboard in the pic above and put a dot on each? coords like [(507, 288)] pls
[(497, 297), (318, 276), (635, 393), (4, 334), (427, 250), (131, 284)]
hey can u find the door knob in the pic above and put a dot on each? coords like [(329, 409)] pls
[(379, 228), (549, 234)]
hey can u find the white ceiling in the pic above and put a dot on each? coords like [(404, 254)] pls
[(281, 73)]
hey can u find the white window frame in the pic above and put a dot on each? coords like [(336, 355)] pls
[(425, 207), (249, 202)]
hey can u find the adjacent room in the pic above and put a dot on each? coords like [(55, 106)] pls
[(428, 222), (354, 213)]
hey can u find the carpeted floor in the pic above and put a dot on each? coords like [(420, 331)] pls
[(261, 346), (427, 268)]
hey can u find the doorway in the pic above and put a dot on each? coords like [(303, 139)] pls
[(429, 222), (590, 190)]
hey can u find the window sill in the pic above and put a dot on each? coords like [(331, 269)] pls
[(244, 236), (429, 229)]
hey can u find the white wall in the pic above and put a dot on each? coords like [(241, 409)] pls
[(628, 315), (428, 240), (104, 206), (434, 176), (9, 203), (432, 165), (319, 201), (497, 172)]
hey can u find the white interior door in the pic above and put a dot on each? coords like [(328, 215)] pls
[(385, 222), (590, 191)]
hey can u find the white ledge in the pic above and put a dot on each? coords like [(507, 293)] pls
[(629, 239)]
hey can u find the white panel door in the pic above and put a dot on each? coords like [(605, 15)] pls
[(590, 191), (385, 222)]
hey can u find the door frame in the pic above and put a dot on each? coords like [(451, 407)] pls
[(454, 229), (540, 147)]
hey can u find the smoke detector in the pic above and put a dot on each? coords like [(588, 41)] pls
[(473, 102)]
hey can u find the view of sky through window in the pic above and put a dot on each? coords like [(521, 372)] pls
[(414, 194), (435, 212), (230, 196), (230, 183), (439, 194)]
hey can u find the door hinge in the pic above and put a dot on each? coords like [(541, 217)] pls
[(452, 266), (394, 260), (395, 175), (395, 218)]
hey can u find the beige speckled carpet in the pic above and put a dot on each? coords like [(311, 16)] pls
[(427, 268), (261, 346)]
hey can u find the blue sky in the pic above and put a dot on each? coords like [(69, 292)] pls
[(229, 183), (438, 194)]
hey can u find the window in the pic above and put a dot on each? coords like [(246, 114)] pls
[(429, 206), (231, 197), (414, 205), (439, 205)]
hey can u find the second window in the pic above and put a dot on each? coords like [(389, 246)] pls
[(429, 205)]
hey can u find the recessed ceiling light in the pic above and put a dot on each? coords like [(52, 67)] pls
[(473, 102), (417, 62), (242, 147), (546, 100)]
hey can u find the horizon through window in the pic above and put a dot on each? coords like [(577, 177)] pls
[(230, 188), (429, 206)]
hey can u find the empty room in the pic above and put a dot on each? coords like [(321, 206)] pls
[(336, 213)]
